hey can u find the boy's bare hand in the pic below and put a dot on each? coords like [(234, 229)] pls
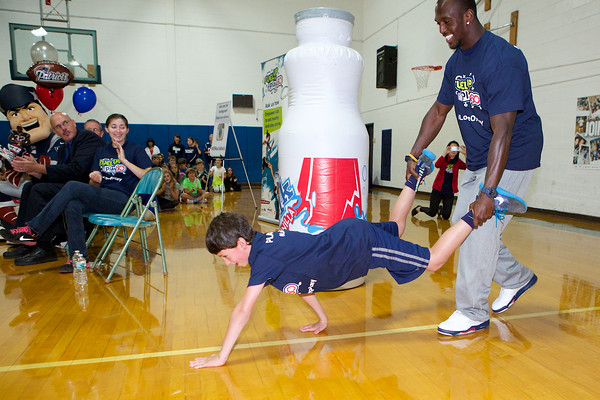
[(316, 327), (204, 362)]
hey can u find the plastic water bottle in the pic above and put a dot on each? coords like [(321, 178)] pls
[(79, 272), (323, 142)]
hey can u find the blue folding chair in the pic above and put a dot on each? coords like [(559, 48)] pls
[(132, 216)]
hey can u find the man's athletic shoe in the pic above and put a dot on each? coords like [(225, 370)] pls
[(17, 251), (37, 256), (507, 297), (507, 203), (459, 324), (21, 235), (424, 165)]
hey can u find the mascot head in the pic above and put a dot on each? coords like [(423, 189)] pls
[(23, 110)]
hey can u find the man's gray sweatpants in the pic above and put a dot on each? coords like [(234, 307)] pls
[(483, 258)]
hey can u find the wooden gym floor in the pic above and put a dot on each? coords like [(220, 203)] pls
[(136, 335)]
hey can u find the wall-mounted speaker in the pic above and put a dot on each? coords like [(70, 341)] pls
[(387, 66), (243, 101)]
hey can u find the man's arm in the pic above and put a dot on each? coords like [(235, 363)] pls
[(237, 321), (80, 163), (430, 127), (29, 165), (502, 126), (319, 326)]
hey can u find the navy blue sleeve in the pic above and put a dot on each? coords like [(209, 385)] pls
[(507, 89), (446, 93)]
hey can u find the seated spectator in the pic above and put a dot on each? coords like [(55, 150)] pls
[(156, 160), (75, 159), (217, 173), (176, 148), (182, 164), (191, 152), (94, 126), (230, 181), (192, 190), (175, 172), (151, 148), (116, 170), (168, 194), (202, 174)]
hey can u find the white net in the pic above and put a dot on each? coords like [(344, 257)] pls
[(422, 75)]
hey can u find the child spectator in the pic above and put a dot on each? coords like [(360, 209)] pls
[(202, 174), (230, 181), (217, 173), (168, 194), (192, 190)]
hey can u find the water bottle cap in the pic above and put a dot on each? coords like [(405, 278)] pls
[(324, 12)]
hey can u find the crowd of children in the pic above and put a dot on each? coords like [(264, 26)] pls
[(187, 178)]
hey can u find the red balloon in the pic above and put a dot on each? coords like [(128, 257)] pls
[(51, 98)]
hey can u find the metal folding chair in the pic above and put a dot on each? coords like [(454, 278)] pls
[(132, 216)]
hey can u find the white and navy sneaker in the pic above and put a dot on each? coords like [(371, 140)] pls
[(460, 324), (424, 165), (507, 297)]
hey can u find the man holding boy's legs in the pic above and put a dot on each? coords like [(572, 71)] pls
[(300, 263)]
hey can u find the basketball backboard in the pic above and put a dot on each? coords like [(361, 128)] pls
[(76, 50)]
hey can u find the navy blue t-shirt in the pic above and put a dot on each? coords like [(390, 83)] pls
[(487, 79), (115, 175), (301, 263), (190, 153)]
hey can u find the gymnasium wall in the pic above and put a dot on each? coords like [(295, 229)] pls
[(166, 63), (559, 40)]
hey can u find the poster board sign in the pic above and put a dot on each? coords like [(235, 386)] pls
[(275, 102), (221, 129)]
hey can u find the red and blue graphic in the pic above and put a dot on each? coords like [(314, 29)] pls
[(328, 190)]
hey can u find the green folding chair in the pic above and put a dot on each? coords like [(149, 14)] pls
[(132, 216)]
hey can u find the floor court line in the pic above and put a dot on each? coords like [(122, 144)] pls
[(54, 364)]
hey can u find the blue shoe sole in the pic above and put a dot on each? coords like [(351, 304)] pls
[(472, 329), (529, 284)]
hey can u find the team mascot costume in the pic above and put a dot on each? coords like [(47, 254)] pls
[(31, 133)]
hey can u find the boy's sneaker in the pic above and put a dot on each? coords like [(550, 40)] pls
[(507, 203), (425, 164), (460, 324), (21, 235), (507, 297)]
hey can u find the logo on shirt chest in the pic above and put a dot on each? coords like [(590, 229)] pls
[(465, 91)]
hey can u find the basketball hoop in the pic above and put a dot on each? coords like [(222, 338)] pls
[(422, 74)]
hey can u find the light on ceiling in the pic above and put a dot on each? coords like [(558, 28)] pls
[(39, 32)]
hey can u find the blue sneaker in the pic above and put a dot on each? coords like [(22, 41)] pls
[(424, 165), (507, 203)]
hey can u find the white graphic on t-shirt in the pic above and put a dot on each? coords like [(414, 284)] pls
[(465, 91)]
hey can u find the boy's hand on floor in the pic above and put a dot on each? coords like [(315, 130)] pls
[(316, 327), (204, 362)]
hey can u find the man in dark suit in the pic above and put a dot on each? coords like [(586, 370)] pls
[(75, 159)]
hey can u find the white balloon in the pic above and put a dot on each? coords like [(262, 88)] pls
[(43, 51)]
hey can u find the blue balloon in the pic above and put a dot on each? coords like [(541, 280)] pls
[(84, 99)]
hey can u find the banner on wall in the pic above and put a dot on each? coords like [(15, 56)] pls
[(586, 152), (221, 129), (274, 97)]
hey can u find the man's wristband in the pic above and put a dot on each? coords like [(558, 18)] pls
[(410, 157)]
